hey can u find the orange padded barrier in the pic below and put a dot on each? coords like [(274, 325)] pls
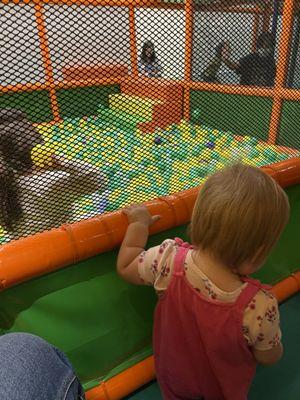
[(287, 288), (125, 383), (153, 88), (169, 92), (37, 255)]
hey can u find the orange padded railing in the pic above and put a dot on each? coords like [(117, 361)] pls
[(39, 254)]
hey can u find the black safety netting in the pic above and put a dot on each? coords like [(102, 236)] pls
[(102, 106)]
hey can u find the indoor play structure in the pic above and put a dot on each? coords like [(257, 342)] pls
[(156, 139)]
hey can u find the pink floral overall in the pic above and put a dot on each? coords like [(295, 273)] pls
[(199, 348)]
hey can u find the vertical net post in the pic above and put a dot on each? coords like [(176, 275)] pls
[(282, 68), (188, 56), (256, 21), (267, 17), (42, 32), (133, 50)]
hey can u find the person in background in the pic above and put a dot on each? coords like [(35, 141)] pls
[(258, 68), (32, 199), (33, 369), (210, 74), (148, 63), (212, 324)]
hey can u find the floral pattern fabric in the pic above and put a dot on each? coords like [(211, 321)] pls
[(261, 324)]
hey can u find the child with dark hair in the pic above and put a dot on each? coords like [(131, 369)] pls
[(149, 64), (31, 199)]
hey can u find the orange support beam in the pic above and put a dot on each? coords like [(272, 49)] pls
[(188, 56), (256, 21), (133, 49), (267, 13), (111, 3), (282, 68), (42, 32), (23, 87), (231, 89)]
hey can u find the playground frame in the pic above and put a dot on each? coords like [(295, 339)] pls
[(278, 93)]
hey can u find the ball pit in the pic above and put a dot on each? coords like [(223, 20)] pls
[(141, 167)]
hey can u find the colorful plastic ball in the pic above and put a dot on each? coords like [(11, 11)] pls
[(210, 145), (158, 140)]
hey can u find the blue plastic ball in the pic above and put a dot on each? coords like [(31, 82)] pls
[(210, 145), (158, 140)]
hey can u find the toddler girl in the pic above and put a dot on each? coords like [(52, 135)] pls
[(212, 324)]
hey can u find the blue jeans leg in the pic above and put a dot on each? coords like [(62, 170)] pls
[(32, 369)]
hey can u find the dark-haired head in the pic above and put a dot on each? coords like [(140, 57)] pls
[(17, 138), (10, 203), (148, 52), (266, 40)]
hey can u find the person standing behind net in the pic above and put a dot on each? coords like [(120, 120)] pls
[(210, 74), (149, 64), (32, 199), (212, 324), (258, 68)]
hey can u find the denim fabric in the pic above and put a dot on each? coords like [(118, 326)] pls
[(32, 369)]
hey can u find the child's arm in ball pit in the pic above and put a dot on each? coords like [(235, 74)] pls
[(83, 177), (134, 242)]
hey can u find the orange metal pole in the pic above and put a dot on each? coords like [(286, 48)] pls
[(267, 17), (24, 87), (42, 31), (256, 21), (282, 68), (231, 89), (133, 49), (234, 8), (112, 3), (188, 56)]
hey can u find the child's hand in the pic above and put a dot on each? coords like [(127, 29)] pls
[(140, 213), (57, 161), (226, 51)]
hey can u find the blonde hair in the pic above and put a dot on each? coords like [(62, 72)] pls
[(239, 215)]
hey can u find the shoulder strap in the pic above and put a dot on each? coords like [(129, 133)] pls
[(179, 261), (248, 293)]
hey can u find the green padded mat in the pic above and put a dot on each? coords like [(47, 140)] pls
[(279, 382)]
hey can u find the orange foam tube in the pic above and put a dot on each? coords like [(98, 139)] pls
[(287, 287), (42, 253), (124, 383), (142, 373)]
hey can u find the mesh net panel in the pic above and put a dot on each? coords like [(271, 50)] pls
[(104, 105)]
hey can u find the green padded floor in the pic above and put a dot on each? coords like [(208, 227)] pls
[(279, 382)]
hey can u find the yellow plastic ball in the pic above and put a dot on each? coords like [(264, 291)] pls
[(41, 155)]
